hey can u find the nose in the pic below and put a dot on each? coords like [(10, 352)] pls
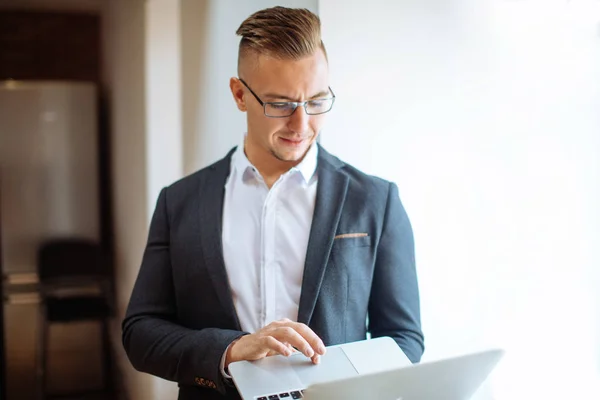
[(298, 121)]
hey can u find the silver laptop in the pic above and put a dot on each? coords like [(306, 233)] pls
[(285, 378), (451, 379)]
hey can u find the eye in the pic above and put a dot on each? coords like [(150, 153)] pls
[(282, 106), (317, 103)]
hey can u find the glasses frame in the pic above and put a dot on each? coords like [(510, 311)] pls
[(296, 104)]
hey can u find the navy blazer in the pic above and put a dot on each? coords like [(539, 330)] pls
[(181, 315)]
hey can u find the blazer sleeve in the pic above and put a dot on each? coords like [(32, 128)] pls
[(153, 340), (394, 308)]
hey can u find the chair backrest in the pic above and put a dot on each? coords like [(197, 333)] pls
[(70, 258)]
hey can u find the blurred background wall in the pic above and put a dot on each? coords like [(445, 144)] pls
[(54, 182)]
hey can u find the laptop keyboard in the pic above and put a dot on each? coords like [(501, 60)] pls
[(294, 394)]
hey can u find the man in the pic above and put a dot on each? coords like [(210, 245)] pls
[(278, 246)]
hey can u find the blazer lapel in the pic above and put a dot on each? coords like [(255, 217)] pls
[(331, 193), (211, 195)]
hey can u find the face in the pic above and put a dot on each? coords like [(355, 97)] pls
[(281, 139)]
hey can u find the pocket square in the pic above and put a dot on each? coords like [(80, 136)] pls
[(350, 235)]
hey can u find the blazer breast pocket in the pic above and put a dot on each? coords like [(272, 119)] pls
[(351, 239)]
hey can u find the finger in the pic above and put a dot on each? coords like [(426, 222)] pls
[(273, 345), (289, 335), (310, 336), (316, 359), (291, 349), (271, 353)]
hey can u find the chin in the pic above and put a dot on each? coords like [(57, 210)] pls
[(289, 156)]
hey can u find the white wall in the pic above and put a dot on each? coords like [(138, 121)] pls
[(486, 114), (124, 40), (164, 138)]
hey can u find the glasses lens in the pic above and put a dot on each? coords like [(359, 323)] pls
[(279, 109), (319, 106)]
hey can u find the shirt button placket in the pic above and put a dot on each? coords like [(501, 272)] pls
[(263, 258), (271, 231)]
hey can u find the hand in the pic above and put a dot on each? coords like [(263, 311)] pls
[(279, 337)]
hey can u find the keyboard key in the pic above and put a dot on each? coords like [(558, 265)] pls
[(262, 398), (273, 397), (296, 395), (283, 395)]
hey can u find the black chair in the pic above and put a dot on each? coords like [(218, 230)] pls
[(74, 286)]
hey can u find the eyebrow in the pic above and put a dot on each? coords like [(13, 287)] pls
[(321, 94)]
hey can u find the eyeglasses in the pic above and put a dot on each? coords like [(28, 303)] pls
[(282, 109)]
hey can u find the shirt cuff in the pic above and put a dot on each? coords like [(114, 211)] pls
[(223, 372)]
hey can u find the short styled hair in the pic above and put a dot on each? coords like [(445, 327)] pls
[(280, 32)]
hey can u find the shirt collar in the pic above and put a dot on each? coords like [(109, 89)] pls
[(241, 163), (307, 167)]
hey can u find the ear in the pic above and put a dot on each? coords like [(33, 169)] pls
[(237, 90)]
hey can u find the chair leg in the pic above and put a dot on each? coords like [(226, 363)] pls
[(42, 352), (106, 356)]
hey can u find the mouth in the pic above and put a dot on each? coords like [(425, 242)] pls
[(293, 142)]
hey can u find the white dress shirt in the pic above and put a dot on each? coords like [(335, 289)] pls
[(265, 237)]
